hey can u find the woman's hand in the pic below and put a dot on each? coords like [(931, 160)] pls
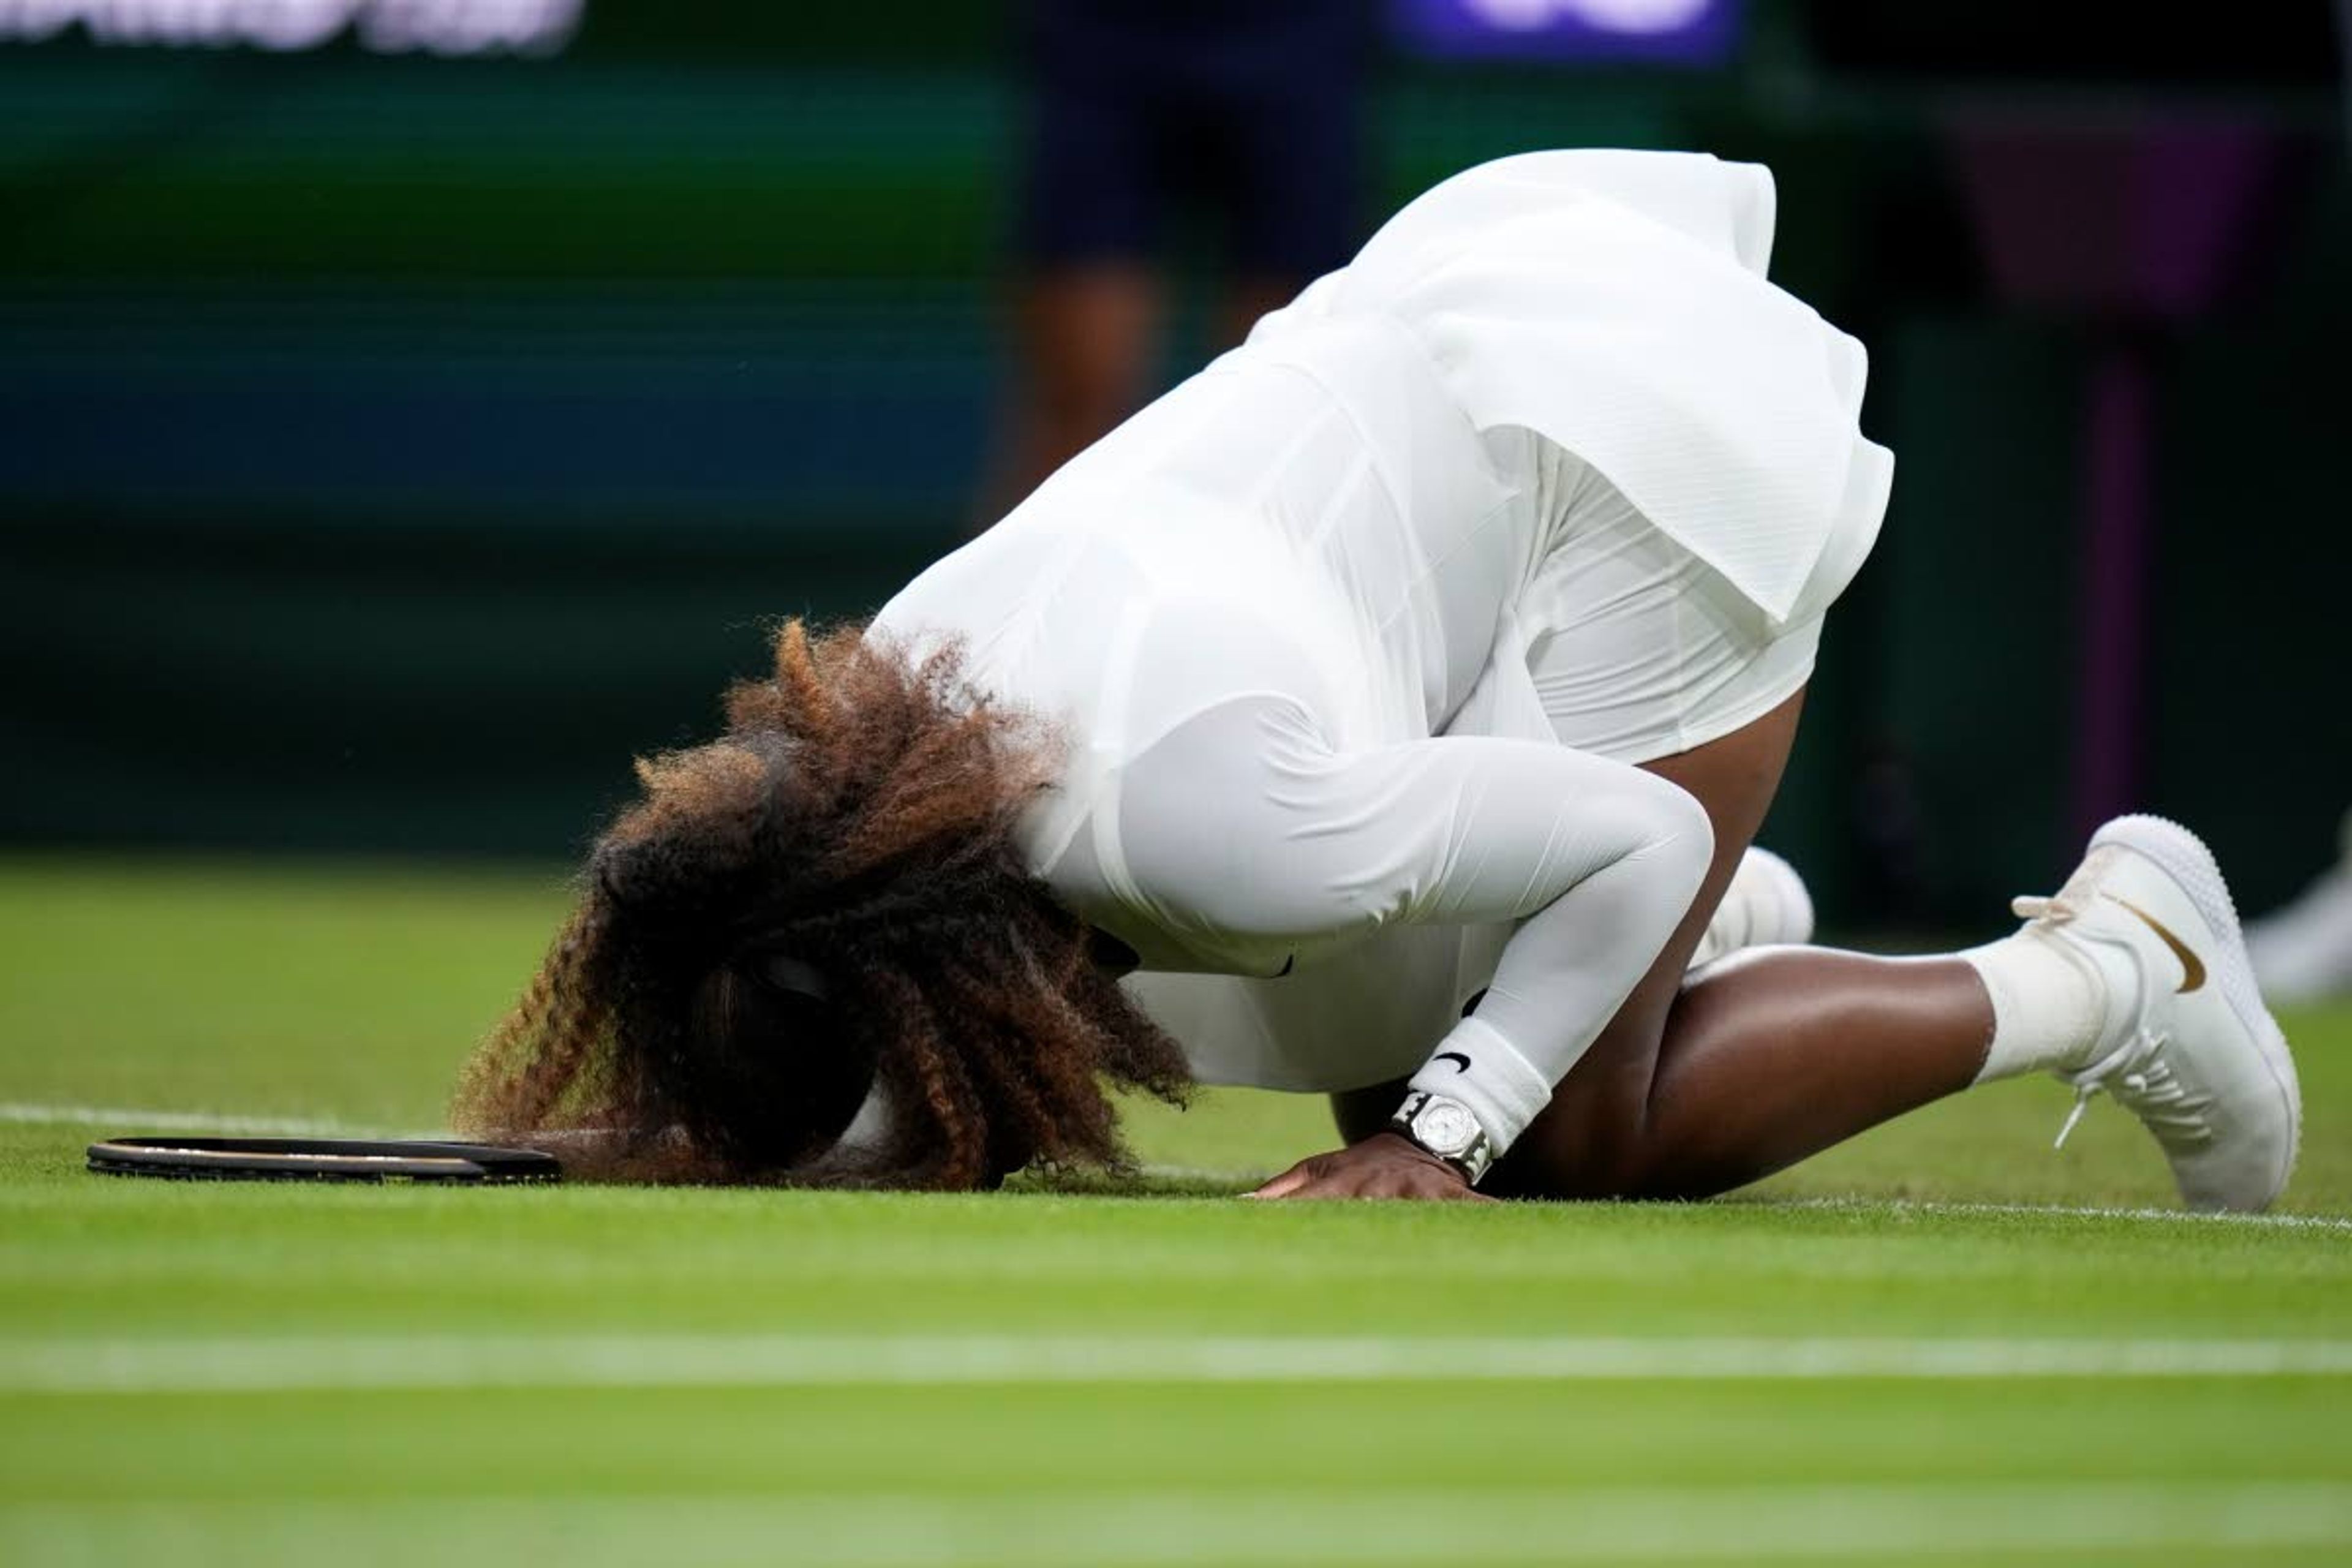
[(1384, 1166)]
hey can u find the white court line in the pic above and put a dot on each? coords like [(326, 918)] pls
[(2057, 1211), (1927, 1207), (1177, 1526), (131, 1121), (444, 1362), (127, 1121)]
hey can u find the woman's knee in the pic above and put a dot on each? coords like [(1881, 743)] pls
[(1675, 841)]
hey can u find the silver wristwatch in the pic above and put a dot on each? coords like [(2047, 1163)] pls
[(1447, 1128)]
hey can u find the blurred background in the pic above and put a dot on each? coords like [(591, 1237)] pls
[(409, 409)]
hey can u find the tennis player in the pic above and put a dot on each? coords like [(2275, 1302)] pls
[(1397, 698)]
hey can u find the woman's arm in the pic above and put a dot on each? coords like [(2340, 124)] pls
[(1244, 820)]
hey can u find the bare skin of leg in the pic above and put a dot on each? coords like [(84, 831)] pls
[(1696, 1089), (1246, 298), (1086, 336)]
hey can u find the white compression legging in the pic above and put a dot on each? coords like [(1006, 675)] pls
[(1242, 831)]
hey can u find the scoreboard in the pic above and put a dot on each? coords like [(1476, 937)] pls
[(1661, 32), (288, 27)]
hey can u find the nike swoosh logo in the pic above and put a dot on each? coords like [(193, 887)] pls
[(1461, 1063), (2192, 968)]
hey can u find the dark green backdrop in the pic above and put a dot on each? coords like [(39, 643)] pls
[(389, 447)]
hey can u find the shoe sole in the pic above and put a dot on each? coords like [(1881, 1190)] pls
[(2182, 856)]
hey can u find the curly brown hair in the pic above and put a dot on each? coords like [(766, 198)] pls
[(857, 822)]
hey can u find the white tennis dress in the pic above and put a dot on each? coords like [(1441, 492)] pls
[(1357, 633)]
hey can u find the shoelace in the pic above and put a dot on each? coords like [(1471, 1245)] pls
[(2156, 1095)]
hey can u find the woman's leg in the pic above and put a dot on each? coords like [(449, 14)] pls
[(1085, 336), (1773, 1057), (1696, 1089)]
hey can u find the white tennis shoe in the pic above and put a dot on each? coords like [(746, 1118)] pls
[(2187, 1047), (1765, 904)]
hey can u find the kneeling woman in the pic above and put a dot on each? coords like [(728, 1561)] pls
[(1397, 699)]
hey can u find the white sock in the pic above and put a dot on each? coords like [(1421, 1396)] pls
[(2049, 1000)]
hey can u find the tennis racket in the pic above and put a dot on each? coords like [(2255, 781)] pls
[(321, 1160)]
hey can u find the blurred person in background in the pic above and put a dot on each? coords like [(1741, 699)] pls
[(2303, 951), (1241, 116), (1401, 697)]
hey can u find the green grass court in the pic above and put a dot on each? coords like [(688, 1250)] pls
[(1882, 1355)]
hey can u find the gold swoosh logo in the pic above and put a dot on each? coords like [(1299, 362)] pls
[(2192, 968)]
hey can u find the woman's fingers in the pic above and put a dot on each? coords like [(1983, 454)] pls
[(1379, 1167), (1290, 1182)]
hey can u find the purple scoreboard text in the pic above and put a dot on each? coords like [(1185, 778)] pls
[(1664, 32)]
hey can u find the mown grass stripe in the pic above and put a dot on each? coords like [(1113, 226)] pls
[(128, 1121), (54, 1366), (1160, 1529)]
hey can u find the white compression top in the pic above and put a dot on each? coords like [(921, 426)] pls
[(1279, 611)]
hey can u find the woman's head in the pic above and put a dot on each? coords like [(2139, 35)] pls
[(827, 901)]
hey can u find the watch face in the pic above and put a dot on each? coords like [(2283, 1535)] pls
[(1444, 1128)]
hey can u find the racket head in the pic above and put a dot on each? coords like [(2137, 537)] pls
[(171, 1156)]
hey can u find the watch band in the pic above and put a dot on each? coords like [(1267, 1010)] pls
[(1447, 1129)]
